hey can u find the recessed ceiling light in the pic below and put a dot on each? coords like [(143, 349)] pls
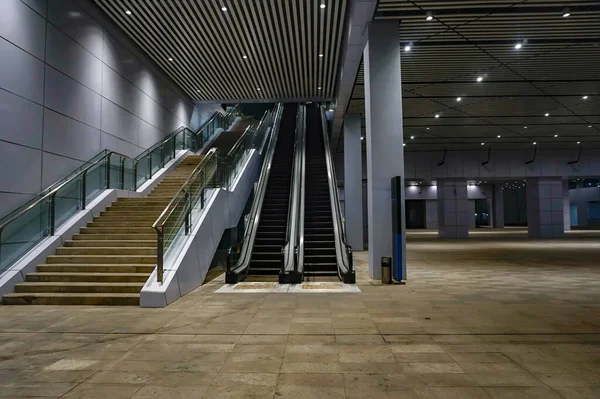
[(407, 48), (429, 16), (362, 138), (546, 114), (427, 128), (437, 116), (320, 55), (245, 57), (403, 144), (589, 125), (459, 99), (223, 8), (128, 12), (499, 136), (556, 135), (197, 91), (518, 46), (585, 97), (322, 5), (258, 88), (319, 88), (482, 143), (480, 78), (170, 59), (412, 137), (524, 127), (579, 142), (535, 142), (566, 13)]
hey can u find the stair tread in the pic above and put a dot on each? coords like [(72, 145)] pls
[(73, 294), (80, 284)]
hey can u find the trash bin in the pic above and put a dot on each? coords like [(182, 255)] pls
[(386, 270)]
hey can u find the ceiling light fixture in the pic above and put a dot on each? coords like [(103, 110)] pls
[(330, 109), (556, 135), (362, 138), (245, 57), (546, 114), (566, 13), (427, 128), (585, 97), (437, 116), (480, 78), (459, 99), (322, 5), (482, 143), (579, 142), (429, 16), (224, 9), (518, 46), (320, 55), (589, 125), (499, 136), (128, 12), (170, 59), (412, 137), (403, 144), (524, 127), (535, 143), (407, 48), (319, 88)]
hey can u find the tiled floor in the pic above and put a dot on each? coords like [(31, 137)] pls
[(497, 316)]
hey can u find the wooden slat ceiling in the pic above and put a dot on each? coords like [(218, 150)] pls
[(281, 39), (558, 63)]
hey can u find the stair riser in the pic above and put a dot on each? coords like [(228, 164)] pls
[(60, 268), (80, 289), (105, 251), (98, 301), (110, 259), (105, 237), (111, 243), (118, 230), (115, 278)]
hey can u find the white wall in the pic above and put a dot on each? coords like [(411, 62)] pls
[(72, 84)]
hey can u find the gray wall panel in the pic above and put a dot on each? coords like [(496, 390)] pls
[(77, 94), (71, 98), (70, 18), (119, 122), (73, 60), (20, 120), (22, 26), (21, 169), (55, 167), (10, 201), (20, 72), (66, 136)]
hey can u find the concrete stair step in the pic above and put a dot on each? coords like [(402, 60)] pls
[(150, 218), (117, 230), (124, 222), (112, 243), (105, 251), (79, 287), (139, 211), (103, 259), (110, 237), (97, 268), (51, 298), (87, 277)]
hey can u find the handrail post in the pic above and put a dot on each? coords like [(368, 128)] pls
[(107, 181), (52, 213), (150, 166), (122, 185), (162, 156), (159, 256), (187, 213), (83, 190)]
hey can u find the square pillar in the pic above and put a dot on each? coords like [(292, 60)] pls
[(353, 208), (384, 134), (498, 206), (545, 217), (453, 208), (566, 205)]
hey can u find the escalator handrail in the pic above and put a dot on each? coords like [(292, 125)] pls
[(289, 262), (254, 216), (343, 251)]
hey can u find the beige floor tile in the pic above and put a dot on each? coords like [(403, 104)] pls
[(239, 392), (318, 368), (423, 358), (303, 392), (381, 393), (120, 377), (377, 380), (511, 379), (522, 393), (312, 379), (29, 389), (181, 378), (159, 392), (103, 391), (426, 368), (264, 379), (579, 392)]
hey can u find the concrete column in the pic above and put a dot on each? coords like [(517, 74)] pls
[(566, 205), (453, 208), (353, 181), (498, 206), (545, 208), (385, 155)]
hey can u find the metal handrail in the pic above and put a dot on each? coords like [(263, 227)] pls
[(9, 219), (233, 273), (342, 249), (290, 272), (238, 143)]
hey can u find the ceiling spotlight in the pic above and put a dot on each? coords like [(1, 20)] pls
[(459, 99), (330, 110), (429, 16), (546, 114), (128, 12), (322, 5), (437, 116), (412, 137), (524, 127), (403, 144), (480, 78), (170, 59), (258, 88), (428, 128), (319, 88), (518, 46), (535, 143), (482, 143), (245, 57), (556, 135), (585, 97), (499, 136), (362, 138), (566, 13), (589, 125), (407, 48), (320, 55), (223, 8), (579, 142)]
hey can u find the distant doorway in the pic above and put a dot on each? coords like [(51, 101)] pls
[(482, 213), (415, 214)]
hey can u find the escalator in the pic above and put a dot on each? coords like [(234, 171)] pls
[(271, 232), (319, 245)]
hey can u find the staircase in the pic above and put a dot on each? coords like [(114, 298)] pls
[(109, 261), (270, 235), (319, 245)]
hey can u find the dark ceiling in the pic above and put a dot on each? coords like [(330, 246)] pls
[(557, 64), (282, 41)]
